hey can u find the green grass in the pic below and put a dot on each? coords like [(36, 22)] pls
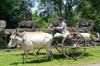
[(14, 58)]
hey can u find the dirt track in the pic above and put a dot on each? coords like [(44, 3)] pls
[(93, 64)]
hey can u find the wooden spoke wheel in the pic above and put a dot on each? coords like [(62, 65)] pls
[(72, 45), (57, 46)]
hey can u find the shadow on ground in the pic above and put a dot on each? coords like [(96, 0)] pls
[(58, 56)]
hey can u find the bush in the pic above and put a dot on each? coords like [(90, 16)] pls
[(43, 21), (91, 35)]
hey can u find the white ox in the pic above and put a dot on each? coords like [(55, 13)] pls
[(29, 42)]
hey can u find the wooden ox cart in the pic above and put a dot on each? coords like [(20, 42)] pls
[(74, 44)]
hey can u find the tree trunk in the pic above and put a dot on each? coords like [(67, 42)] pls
[(67, 9), (67, 12), (60, 11)]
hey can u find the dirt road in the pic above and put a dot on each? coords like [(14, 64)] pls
[(93, 64)]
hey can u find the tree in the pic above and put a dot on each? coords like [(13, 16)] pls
[(49, 7), (69, 5), (45, 6), (13, 11), (72, 19), (58, 4)]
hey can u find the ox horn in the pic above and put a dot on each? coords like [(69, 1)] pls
[(16, 30)]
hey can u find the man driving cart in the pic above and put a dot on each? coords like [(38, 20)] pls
[(61, 28)]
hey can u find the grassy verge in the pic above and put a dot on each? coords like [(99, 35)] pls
[(14, 58)]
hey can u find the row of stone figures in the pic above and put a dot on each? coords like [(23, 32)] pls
[(31, 24), (82, 25)]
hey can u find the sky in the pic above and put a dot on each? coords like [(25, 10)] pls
[(35, 7)]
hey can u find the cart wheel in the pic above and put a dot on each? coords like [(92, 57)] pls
[(72, 44), (58, 47)]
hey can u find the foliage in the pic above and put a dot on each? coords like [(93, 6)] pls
[(96, 25), (42, 21), (72, 20), (91, 35), (95, 4), (55, 16), (87, 13)]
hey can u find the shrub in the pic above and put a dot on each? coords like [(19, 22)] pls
[(91, 35)]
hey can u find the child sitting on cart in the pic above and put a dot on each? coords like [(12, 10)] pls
[(74, 30)]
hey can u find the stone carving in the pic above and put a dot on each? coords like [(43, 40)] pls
[(55, 23), (84, 25), (28, 24), (2, 25), (3, 33), (28, 14)]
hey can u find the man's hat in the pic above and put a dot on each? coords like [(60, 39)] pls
[(61, 18)]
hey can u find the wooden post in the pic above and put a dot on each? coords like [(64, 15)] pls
[(6, 41)]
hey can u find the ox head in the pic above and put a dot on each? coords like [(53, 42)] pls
[(13, 39)]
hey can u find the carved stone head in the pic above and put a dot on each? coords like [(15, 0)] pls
[(2, 25)]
